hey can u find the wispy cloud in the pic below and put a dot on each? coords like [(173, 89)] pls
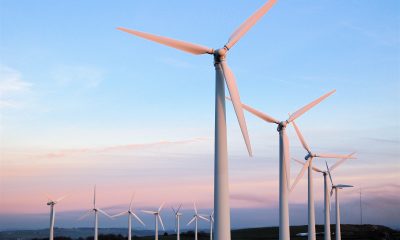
[(11, 87), (87, 76), (125, 147)]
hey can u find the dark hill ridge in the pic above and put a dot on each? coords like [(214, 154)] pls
[(349, 232)]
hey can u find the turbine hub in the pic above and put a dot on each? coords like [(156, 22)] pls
[(282, 125), (219, 54)]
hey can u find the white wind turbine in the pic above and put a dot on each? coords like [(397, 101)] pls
[(177, 222), (223, 72), (308, 165), (327, 200), (284, 161), (195, 219), (338, 233), (130, 213), (157, 218), (96, 210), (51, 203), (211, 219)]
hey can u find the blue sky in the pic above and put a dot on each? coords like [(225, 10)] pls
[(70, 82)]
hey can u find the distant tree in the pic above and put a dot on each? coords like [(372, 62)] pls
[(165, 234)]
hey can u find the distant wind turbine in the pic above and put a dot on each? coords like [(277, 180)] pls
[(130, 213), (211, 219), (177, 221), (337, 187), (96, 210), (309, 161), (157, 218), (223, 72), (284, 160), (327, 199), (195, 219), (51, 203)]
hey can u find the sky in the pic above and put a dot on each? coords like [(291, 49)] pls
[(82, 103)]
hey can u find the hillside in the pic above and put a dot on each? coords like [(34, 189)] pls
[(351, 232)]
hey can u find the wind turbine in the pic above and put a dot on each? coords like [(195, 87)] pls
[(327, 200), (337, 187), (222, 72), (309, 161), (130, 213), (284, 160), (177, 223), (96, 210), (211, 219), (157, 218), (195, 219), (51, 203)]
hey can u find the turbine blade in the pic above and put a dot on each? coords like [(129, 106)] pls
[(191, 221), (161, 207), (94, 197), (250, 22), (177, 44), (104, 213), (85, 215), (301, 173), (237, 105), (341, 161), (334, 156), (137, 218), (132, 197), (162, 224), (119, 214), (301, 138), (195, 208), (61, 198), (287, 159), (148, 212), (329, 173), (257, 113), (304, 109), (205, 219), (344, 186), (179, 208), (173, 209), (331, 191)]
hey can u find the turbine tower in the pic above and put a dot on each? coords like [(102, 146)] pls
[(130, 213), (309, 161), (327, 200), (51, 203), (336, 188), (284, 161), (222, 72), (95, 210), (211, 219), (195, 219), (157, 218), (177, 222)]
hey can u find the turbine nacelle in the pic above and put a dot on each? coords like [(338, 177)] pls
[(282, 125)]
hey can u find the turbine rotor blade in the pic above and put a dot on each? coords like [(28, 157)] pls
[(85, 215), (94, 197), (194, 218), (257, 113), (301, 173), (61, 198), (162, 224), (329, 173), (205, 219), (177, 44), (237, 105), (149, 212), (301, 138), (250, 22), (137, 218), (341, 161), (335, 156), (132, 197), (104, 213), (304, 109), (119, 214), (195, 208), (161, 207), (179, 208), (344, 186)]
